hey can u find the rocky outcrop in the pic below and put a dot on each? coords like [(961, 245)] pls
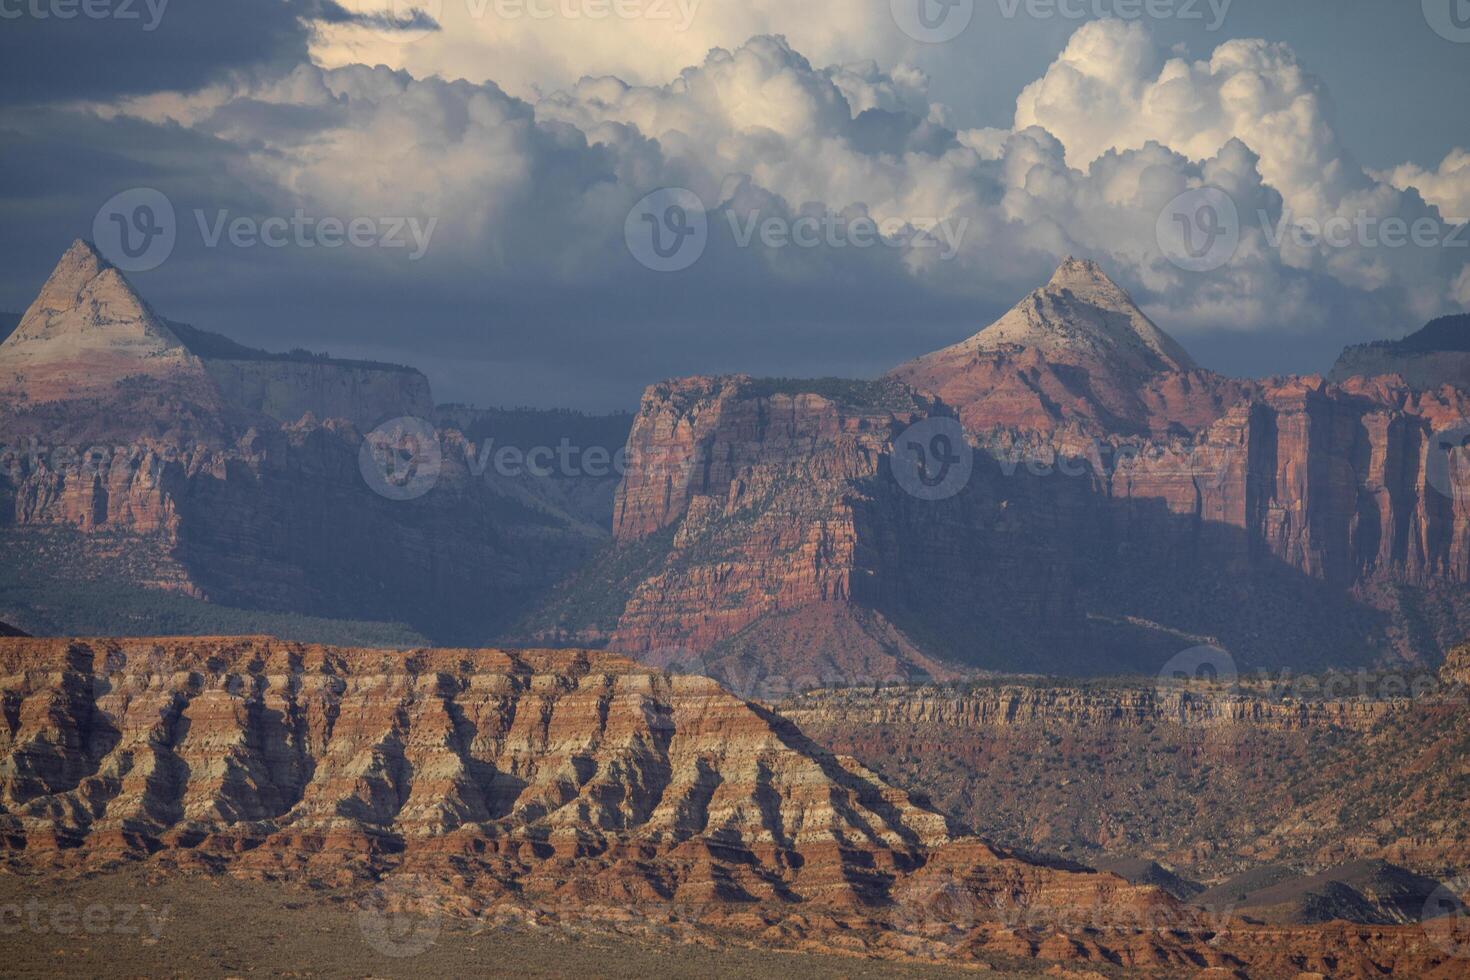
[(1456, 669), (1436, 356), (545, 783), (285, 390), (757, 480), (1112, 517)]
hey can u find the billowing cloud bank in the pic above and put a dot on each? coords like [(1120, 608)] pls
[(534, 196)]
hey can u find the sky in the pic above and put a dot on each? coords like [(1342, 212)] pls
[(558, 202)]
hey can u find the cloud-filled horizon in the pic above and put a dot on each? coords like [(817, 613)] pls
[(855, 215)]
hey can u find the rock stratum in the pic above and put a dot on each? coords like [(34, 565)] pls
[(544, 783), (1124, 505), (1210, 779)]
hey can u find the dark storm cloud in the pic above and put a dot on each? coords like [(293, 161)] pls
[(529, 291), (60, 50)]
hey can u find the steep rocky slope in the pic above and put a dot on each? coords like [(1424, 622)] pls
[(541, 783), (1209, 781)]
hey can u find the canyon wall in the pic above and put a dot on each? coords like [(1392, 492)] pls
[(1211, 781), (1301, 528), (538, 786)]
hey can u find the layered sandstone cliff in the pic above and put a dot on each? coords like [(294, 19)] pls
[(535, 784), (1211, 780), (1136, 507)]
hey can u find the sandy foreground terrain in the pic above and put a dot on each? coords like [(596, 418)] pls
[(124, 925)]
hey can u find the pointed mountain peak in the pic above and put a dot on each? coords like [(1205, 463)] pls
[(1075, 271), (1087, 281), (84, 289), (1083, 317), (77, 269), (86, 329)]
